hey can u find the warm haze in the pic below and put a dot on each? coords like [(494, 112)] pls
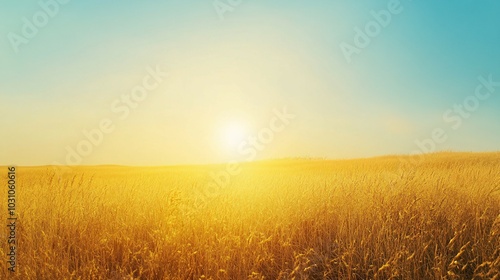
[(225, 78)]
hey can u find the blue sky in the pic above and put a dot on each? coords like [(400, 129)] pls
[(234, 72)]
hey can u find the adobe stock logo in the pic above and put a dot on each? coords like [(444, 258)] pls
[(48, 9), (454, 118), (121, 107), (224, 6), (363, 37)]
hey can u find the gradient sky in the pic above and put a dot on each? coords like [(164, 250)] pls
[(264, 55)]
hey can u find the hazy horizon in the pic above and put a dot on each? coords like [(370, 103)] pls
[(404, 158)]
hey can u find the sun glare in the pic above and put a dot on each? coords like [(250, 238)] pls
[(233, 134)]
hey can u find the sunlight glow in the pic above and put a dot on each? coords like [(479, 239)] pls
[(233, 134)]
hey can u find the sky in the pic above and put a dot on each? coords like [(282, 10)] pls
[(194, 82)]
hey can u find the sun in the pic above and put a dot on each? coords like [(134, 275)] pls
[(233, 134)]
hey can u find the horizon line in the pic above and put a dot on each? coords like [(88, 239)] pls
[(305, 158)]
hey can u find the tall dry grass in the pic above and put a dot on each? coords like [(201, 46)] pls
[(358, 219)]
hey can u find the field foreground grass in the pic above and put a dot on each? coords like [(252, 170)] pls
[(290, 219)]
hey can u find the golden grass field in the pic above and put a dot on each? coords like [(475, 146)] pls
[(288, 219)]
